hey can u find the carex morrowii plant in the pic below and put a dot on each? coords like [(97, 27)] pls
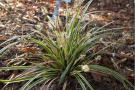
[(63, 56)]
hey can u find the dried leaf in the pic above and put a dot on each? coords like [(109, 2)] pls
[(108, 19), (115, 64), (105, 61), (130, 77), (121, 61), (114, 83), (2, 39), (96, 77), (30, 50)]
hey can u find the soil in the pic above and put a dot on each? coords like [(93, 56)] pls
[(21, 19)]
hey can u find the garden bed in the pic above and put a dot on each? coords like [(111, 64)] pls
[(21, 19)]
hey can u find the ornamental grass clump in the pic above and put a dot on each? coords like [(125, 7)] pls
[(63, 56)]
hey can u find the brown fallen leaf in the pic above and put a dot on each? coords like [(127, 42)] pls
[(121, 61), (115, 64), (30, 50), (2, 39), (108, 19), (114, 83), (130, 77), (96, 77), (106, 61)]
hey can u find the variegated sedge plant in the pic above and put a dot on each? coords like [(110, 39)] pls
[(64, 57)]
